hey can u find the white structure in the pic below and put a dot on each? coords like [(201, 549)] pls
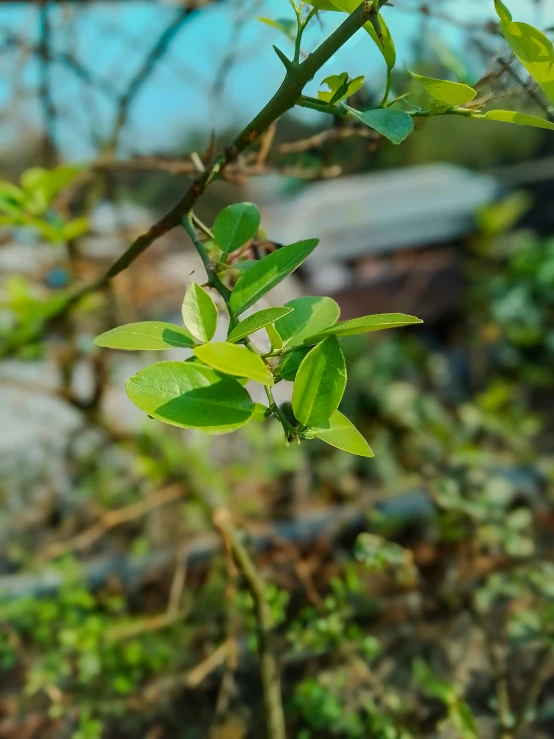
[(382, 211)]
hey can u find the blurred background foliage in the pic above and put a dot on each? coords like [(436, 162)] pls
[(412, 594)]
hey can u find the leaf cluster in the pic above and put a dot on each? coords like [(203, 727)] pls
[(206, 390)]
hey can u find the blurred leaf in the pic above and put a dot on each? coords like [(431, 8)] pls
[(431, 684), (11, 197), (145, 336), (75, 228), (235, 359), (191, 396), (268, 272), (199, 313), (285, 25), (462, 718), (42, 185), (449, 58), (501, 216), (320, 383)]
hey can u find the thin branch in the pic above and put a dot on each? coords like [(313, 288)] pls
[(213, 279), (284, 99), (160, 47), (111, 520), (531, 695), (45, 92), (269, 668)]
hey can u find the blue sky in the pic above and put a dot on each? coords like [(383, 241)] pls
[(106, 36)]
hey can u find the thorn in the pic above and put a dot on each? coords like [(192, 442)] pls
[(286, 61)]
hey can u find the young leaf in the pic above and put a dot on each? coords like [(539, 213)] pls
[(75, 228), (244, 266), (385, 44), (261, 412), (364, 325), (274, 339), (195, 360), (533, 49), (502, 11), (285, 25), (338, 431), (235, 225), (199, 313), (444, 91), (256, 321), (395, 125), (320, 383), (520, 119), (190, 395), (235, 359), (11, 196), (290, 364), (146, 336), (311, 315), (42, 185), (268, 272), (340, 86)]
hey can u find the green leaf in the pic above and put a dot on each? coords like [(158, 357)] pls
[(461, 716), (11, 197), (75, 228), (235, 225), (190, 395), (311, 315), (520, 119), (267, 273), (450, 93), (256, 321), (199, 313), (502, 11), (146, 336), (235, 359), (395, 125), (320, 383), (195, 360), (243, 266), (274, 339), (261, 412), (340, 86), (385, 44), (42, 185), (285, 25), (291, 362), (533, 49), (431, 684), (338, 431), (364, 325)]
